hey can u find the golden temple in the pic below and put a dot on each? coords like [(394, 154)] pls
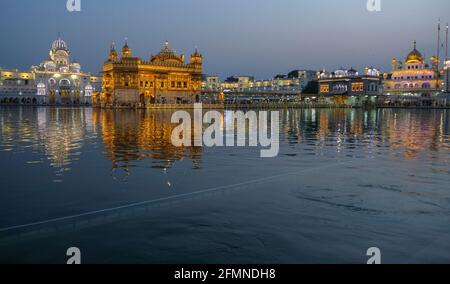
[(165, 79)]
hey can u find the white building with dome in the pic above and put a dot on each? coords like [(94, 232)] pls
[(61, 80), (56, 81), (415, 77)]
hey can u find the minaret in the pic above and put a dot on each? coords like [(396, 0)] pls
[(126, 51), (113, 53), (196, 58)]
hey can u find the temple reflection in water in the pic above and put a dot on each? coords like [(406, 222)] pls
[(59, 132), (142, 138), (406, 133), (131, 135)]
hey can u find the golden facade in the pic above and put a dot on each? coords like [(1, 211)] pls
[(165, 79)]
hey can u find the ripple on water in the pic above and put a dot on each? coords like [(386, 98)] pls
[(367, 173)]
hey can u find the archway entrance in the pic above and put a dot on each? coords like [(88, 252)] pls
[(51, 97), (142, 99), (65, 97)]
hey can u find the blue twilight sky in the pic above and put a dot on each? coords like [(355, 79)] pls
[(241, 37)]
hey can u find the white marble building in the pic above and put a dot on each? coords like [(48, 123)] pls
[(61, 80), (56, 81)]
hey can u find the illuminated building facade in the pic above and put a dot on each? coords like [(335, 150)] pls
[(211, 83), (18, 87), (165, 79), (56, 81), (413, 78), (447, 77), (294, 82), (348, 86), (60, 81)]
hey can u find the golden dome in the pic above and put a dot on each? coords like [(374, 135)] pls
[(168, 56), (415, 56)]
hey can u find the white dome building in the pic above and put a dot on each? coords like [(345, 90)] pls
[(61, 80)]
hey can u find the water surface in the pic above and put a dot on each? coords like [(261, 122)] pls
[(111, 183)]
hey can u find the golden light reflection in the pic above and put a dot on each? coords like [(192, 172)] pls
[(132, 135), (404, 133), (60, 137)]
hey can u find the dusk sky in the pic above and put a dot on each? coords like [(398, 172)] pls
[(236, 37)]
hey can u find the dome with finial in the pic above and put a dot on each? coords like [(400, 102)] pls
[(167, 55), (59, 44), (112, 52), (112, 48), (126, 51), (196, 58), (196, 53), (166, 49), (415, 56)]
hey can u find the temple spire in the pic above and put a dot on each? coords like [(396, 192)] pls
[(126, 50)]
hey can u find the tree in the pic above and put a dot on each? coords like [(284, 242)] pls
[(311, 88), (293, 74), (231, 79), (279, 76)]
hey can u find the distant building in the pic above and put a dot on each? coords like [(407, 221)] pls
[(18, 87), (56, 81), (413, 78), (211, 83), (304, 77), (164, 79), (348, 86), (447, 77), (295, 82), (245, 79)]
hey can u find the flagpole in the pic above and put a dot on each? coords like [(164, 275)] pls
[(438, 55), (446, 44), (447, 67)]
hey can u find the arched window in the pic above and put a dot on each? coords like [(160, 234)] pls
[(64, 82), (88, 90), (41, 90), (52, 82)]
